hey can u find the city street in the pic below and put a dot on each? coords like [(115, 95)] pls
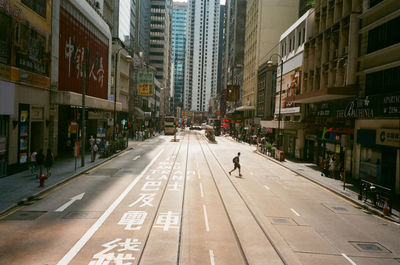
[(174, 202)]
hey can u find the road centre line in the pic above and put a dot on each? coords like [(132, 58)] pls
[(212, 257), (351, 262), (201, 190), (85, 238), (266, 187), (296, 213), (206, 218)]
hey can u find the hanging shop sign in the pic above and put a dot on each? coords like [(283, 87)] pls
[(23, 133), (233, 93), (388, 137), (145, 80), (360, 108)]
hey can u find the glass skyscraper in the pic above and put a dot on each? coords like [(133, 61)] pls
[(179, 14)]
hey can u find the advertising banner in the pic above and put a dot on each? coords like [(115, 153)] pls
[(145, 84), (388, 137), (290, 88), (77, 42)]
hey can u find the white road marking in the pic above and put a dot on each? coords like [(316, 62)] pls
[(212, 257), (198, 174), (71, 201), (201, 190), (351, 262), (206, 218), (266, 187), (136, 157), (296, 213), (85, 238)]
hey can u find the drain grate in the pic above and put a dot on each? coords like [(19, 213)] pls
[(370, 247), (340, 209), (24, 216), (82, 215), (282, 221)]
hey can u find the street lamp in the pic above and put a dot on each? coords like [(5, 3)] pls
[(270, 64), (129, 59)]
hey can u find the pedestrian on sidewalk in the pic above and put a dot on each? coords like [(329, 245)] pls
[(33, 164), (49, 161), (332, 166), (40, 161), (95, 148), (236, 164)]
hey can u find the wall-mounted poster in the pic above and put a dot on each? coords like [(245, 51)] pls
[(23, 134)]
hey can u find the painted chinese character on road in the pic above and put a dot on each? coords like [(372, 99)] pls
[(167, 220), (112, 254), (133, 220), (145, 198)]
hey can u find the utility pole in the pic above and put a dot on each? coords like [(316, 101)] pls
[(85, 82)]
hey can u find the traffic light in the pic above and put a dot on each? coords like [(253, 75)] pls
[(142, 125)]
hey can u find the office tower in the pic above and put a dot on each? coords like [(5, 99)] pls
[(179, 13), (201, 66)]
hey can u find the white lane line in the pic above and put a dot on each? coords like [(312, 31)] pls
[(206, 218), (212, 257), (198, 174), (201, 190), (296, 213), (266, 187), (85, 238), (135, 158), (351, 262)]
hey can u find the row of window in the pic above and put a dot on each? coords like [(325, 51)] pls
[(382, 82), (384, 36)]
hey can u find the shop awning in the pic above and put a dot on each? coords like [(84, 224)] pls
[(244, 108)]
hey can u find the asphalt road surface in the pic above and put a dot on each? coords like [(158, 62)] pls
[(167, 202)]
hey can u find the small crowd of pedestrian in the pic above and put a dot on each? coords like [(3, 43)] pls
[(38, 160)]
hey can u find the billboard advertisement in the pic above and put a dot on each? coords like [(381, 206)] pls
[(290, 88), (77, 42), (145, 84)]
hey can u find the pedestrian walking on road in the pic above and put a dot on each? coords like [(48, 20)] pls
[(49, 161), (236, 164)]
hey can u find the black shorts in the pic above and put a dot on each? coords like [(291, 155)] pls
[(236, 165)]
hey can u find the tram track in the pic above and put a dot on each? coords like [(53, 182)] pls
[(240, 194), (156, 212)]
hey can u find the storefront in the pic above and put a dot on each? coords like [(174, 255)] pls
[(378, 160), (289, 142)]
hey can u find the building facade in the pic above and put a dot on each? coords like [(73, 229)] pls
[(265, 22), (26, 119), (376, 154), (81, 61), (178, 45), (201, 67), (290, 126)]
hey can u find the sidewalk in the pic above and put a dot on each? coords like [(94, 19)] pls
[(313, 173), (21, 187)]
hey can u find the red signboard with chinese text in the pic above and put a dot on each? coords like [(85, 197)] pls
[(74, 39)]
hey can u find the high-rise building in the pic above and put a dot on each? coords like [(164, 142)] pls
[(232, 62), (201, 66), (265, 22), (178, 44), (143, 28), (124, 10)]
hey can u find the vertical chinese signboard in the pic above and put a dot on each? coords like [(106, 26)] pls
[(75, 37), (145, 82)]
